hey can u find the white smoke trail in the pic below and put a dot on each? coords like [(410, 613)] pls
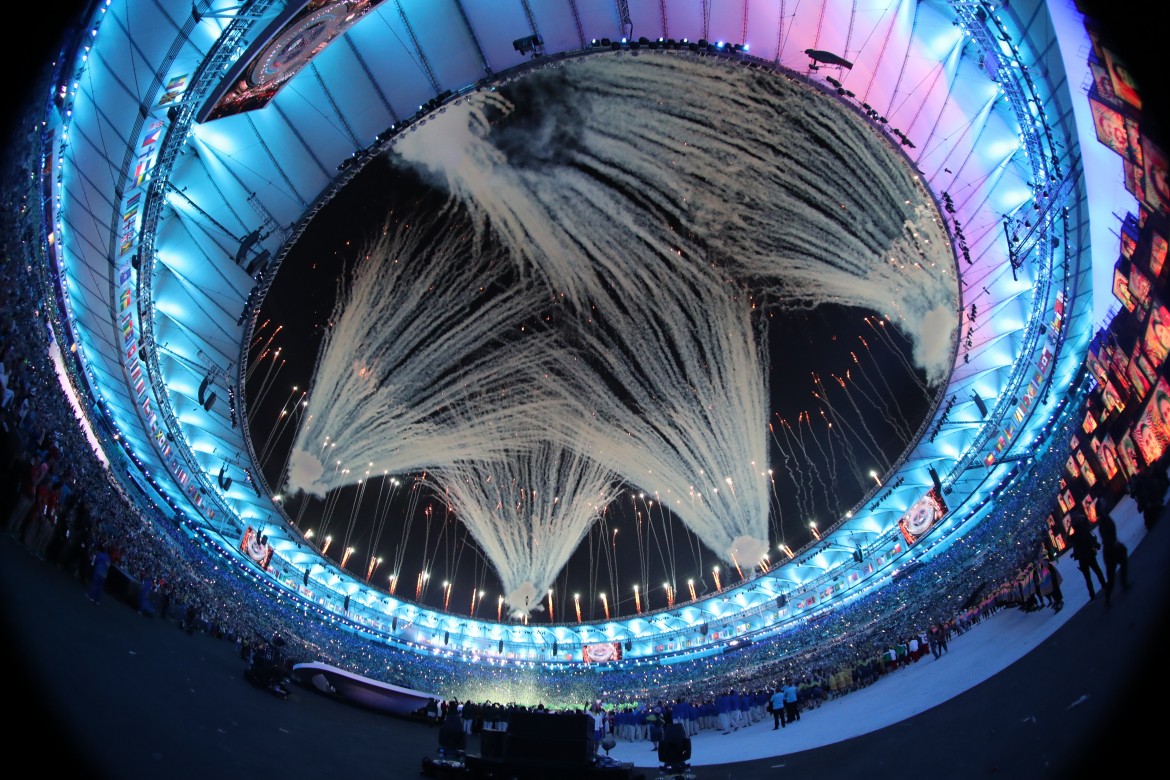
[(410, 338), (638, 193), (617, 155), (676, 386), (528, 512)]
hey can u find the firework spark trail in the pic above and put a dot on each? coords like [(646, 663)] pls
[(831, 455), (847, 449), (666, 551), (814, 469), (872, 445), (880, 329), (263, 351), (355, 511), (865, 441), (266, 384), (873, 397), (381, 510), (281, 417), (339, 475), (529, 512), (777, 513), (696, 350), (287, 418), (848, 386), (829, 486), (294, 422), (893, 410), (407, 521), (794, 467), (644, 531), (412, 336)]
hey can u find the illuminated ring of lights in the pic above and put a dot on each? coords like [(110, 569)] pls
[(275, 167)]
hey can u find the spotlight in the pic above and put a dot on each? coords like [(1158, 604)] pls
[(528, 44)]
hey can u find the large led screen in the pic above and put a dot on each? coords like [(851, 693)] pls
[(922, 516), (286, 48)]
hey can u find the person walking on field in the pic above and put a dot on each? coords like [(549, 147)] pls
[(1084, 551), (776, 706), (1114, 553), (791, 704)]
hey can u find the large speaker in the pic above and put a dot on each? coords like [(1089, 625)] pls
[(938, 489), (491, 743), (563, 738)]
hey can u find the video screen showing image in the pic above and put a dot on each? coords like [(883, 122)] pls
[(602, 652), (1157, 335), (1055, 538), (1128, 240), (1106, 453), (1134, 178), (1111, 398), (1157, 195), (255, 546), (1089, 505), (1143, 363), (1124, 86), (1104, 84), (922, 516), (1146, 436), (1121, 288), (1137, 379), (284, 51), (1097, 368), (1090, 423), (1140, 286), (1127, 453), (1151, 432), (1072, 467), (1158, 248), (1110, 126), (1116, 359), (1086, 470)]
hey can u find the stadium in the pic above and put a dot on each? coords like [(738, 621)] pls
[(589, 198)]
